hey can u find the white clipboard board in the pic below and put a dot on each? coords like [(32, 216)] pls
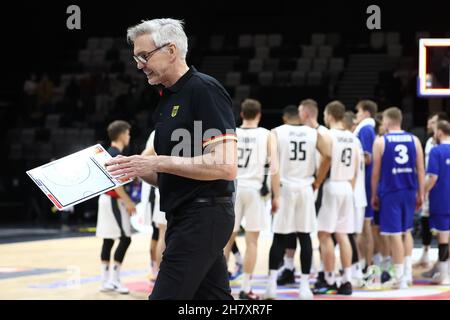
[(76, 178)]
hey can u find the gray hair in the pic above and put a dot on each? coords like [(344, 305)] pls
[(162, 31)]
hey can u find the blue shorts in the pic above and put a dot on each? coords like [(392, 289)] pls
[(369, 214), (440, 222), (397, 211)]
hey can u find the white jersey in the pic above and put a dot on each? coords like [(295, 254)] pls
[(297, 154), (360, 186), (343, 155), (252, 156), (151, 140), (428, 146)]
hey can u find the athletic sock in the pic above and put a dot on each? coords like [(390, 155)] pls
[(238, 258), (246, 284), (273, 274), (347, 275), (408, 265), (377, 259), (399, 271), (329, 278), (289, 263), (362, 263), (304, 280)]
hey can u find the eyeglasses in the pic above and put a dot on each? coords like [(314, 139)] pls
[(145, 57)]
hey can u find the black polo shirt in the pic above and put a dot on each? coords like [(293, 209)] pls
[(195, 97)]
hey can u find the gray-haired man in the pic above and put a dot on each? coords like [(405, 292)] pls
[(195, 166)]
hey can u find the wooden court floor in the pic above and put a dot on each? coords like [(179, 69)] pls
[(69, 269)]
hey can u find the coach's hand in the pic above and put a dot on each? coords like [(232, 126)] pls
[(375, 201), (131, 167), (275, 205)]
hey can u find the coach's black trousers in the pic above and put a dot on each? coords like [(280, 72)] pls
[(193, 265)]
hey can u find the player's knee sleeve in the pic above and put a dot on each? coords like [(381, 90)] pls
[(290, 241), (443, 252), (355, 258), (306, 252), (106, 249), (124, 243), (276, 251), (426, 233)]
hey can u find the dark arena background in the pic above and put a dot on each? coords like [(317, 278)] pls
[(61, 87)]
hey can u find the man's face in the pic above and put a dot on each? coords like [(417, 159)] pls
[(438, 136), (431, 124), (325, 118), (157, 62), (125, 138), (302, 114), (360, 114)]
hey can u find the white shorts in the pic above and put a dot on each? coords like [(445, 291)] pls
[(359, 219), (159, 217), (251, 206), (108, 226), (297, 212), (337, 211)]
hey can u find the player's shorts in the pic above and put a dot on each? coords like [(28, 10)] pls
[(359, 219), (113, 220), (251, 206), (440, 222), (337, 211), (397, 211), (297, 211), (159, 217)]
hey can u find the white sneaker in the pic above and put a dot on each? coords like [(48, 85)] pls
[(409, 279), (441, 279), (424, 262), (271, 292), (118, 287), (401, 283), (105, 287), (305, 293)]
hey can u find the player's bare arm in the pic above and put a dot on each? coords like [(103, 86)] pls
[(420, 173), (324, 147), (377, 152), (274, 171)]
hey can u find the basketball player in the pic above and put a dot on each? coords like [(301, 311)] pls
[(365, 131), (398, 190), (360, 203), (293, 203), (424, 260), (113, 221), (253, 152), (438, 186), (309, 112), (336, 214)]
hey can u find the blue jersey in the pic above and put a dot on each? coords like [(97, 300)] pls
[(398, 163), (439, 164), (367, 137)]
